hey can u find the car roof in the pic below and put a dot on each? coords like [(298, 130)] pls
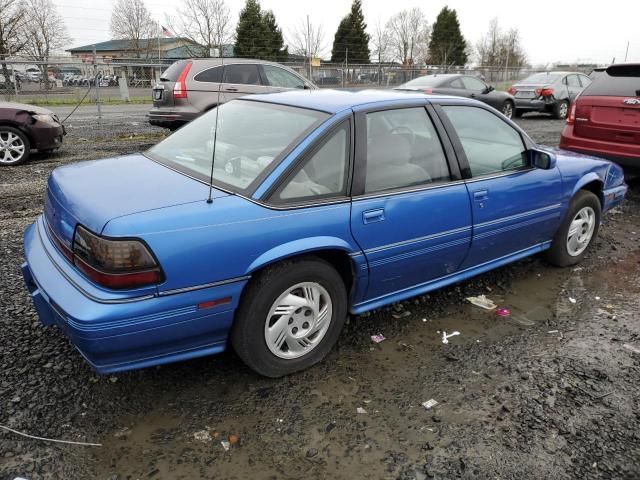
[(334, 101), (221, 61)]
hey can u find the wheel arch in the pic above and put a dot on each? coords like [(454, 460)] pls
[(592, 183)]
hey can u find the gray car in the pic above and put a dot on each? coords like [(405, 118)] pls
[(189, 88), (550, 92)]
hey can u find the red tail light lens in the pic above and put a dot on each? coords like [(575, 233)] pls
[(180, 88), (428, 90), (115, 264), (512, 90), (571, 118), (544, 92)]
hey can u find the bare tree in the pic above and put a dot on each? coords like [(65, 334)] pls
[(12, 17), (499, 51), (45, 33), (408, 32), (307, 39), (380, 42), (131, 20), (207, 23)]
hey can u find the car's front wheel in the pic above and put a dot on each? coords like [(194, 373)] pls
[(14, 146), (578, 230), (290, 316)]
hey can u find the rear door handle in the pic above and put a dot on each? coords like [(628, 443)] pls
[(231, 89), (372, 216), (480, 195)]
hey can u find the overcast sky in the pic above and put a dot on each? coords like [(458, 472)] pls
[(551, 31)]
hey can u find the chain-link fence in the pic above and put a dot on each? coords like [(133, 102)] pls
[(70, 80)]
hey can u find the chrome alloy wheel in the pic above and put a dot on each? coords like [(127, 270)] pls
[(507, 110), (581, 231), (298, 320), (563, 110), (12, 148)]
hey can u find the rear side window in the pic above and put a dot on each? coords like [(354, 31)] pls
[(456, 83), (172, 73), (213, 75), (279, 77), (572, 81), (616, 83), (244, 73), (490, 144)]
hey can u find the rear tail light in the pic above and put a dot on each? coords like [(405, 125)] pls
[(115, 264), (512, 90), (180, 88), (427, 90), (544, 92), (571, 118)]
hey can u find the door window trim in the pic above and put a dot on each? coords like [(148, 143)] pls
[(459, 149), (360, 163)]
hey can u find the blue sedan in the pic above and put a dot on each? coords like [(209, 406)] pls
[(264, 224)]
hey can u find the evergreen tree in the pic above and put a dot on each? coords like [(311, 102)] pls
[(275, 48), (251, 32), (447, 45), (351, 38)]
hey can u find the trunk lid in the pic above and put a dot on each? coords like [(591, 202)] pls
[(93, 193), (528, 90), (608, 118)]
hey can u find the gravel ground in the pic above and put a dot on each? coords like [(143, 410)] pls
[(553, 391)]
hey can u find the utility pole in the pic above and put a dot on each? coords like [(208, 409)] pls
[(97, 83), (627, 52), (346, 64), (309, 46), (506, 64)]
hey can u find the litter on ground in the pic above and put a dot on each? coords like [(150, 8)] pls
[(226, 445), (482, 301), (572, 300), (445, 337), (503, 312), (378, 338), (429, 404), (632, 348), (202, 436), (361, 410)]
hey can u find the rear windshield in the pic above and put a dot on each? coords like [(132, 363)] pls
[(616, 82), (428, 81), (542, 78), (251, 138), (172, 73)]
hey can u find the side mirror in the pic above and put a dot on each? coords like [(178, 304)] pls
[(543, 160)]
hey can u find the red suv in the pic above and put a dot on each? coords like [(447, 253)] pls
[(604, 120)]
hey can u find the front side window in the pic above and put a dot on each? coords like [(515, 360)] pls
[(324, 173), (249, 138), (242, 74), (403, 149), (279, 77), (471, 83), (490, 144), (456, 83)]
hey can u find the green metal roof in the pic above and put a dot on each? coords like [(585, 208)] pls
[(126, 45)]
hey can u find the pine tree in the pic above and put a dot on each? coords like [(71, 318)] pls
[(447, 45), (352, 37), (251, 32), (275, 48)]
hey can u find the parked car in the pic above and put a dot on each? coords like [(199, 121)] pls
[(23, 127), (462, 86), (605, 118), (190, 87), (141, 261), (328, 77), (550, 92), (33, 74)]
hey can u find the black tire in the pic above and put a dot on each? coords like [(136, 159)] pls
[(247, 333), (558, 254), (561, 109), (518, 113), (508, 109), (4, 129)]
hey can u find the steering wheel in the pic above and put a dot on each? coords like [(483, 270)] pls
[(404, 130)]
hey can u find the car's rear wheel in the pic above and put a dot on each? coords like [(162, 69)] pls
[(561, 109), (507, 109), (290, 316), (14, 146), (578, 230)]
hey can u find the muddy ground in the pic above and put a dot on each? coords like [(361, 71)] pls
[(553, 391)]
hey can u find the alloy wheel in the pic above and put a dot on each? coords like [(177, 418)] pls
[(298, 320), (12, 147), (581, 231), (507, 110)]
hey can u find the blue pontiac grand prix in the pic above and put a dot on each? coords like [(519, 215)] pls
[(297, 210)]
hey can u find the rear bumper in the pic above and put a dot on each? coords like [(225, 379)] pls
[(625, 155), (169, 118), (531, 105), (117, 335)]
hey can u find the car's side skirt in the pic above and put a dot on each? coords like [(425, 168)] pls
[(455, 277)]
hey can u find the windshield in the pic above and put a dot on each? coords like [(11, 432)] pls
[(428, 81), (251, 135), (542, 78)]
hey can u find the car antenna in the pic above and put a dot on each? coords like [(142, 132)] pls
[(215, 131)]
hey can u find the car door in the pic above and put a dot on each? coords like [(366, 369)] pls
[(241, 79), (573, 86), (477, 88), (410, 209), (278, 79), (205, 86), (515, 206)]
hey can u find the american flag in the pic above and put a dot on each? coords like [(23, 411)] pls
[(166, 32)]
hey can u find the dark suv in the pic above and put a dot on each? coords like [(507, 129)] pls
[(190, 87), (605, 118)]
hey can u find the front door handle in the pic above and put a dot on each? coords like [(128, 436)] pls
[(372, 216), (231, 89), (480, 195)]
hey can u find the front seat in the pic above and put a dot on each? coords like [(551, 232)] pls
[(389, 164)]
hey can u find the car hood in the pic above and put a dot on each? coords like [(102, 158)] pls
[(96, 192), (25, 107)]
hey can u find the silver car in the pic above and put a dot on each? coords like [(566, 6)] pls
[(189, 88), (550, 92)]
